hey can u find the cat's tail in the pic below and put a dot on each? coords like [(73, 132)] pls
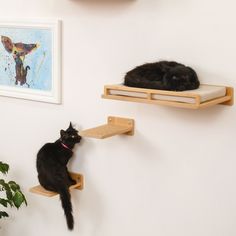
[(67, 206)]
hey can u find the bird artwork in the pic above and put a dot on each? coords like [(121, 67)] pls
[(19, 51)]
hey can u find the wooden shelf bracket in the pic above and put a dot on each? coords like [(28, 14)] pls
[(114, 126), (42, 191)]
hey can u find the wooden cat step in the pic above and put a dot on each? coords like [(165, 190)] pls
[(75, 176), (114, 126)]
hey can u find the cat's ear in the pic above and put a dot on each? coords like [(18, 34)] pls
[(62, 132), (71, 126)]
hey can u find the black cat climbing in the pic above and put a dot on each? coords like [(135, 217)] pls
[(52, 170)]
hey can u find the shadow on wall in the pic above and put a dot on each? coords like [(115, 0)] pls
[(102, 3), (91, 208)]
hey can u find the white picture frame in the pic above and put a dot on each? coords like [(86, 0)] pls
[(30, 59)]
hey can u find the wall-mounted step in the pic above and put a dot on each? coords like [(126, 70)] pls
[(114, 126), (42, 191)]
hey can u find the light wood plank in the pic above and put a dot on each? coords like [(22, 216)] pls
[(42, 191), (230, 93), (225, 100), (214, 102), (114, 126), (155, 102)]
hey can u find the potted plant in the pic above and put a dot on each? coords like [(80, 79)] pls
[(10, 192)]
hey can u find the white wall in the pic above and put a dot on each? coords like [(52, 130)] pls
[(176, 176)]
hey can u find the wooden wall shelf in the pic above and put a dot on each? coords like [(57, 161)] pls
[(42, 191), (114, 126), (193, 99)]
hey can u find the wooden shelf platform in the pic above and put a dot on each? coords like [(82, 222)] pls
[(114, 126), (186, 99), (42, 191)]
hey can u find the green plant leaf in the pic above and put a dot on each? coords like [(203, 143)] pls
[(4, 167), (5, 202), (25, 200), (14, 196), (2, 183), (14, 186), (18, 199), (9, 194), (3, 214), (5, 187)]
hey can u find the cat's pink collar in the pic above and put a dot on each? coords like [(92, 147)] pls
[(65, 146)]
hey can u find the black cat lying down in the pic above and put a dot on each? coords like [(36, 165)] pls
[(53, 175), (163, 75)]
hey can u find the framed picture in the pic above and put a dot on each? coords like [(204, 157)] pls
[(30, 56)]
